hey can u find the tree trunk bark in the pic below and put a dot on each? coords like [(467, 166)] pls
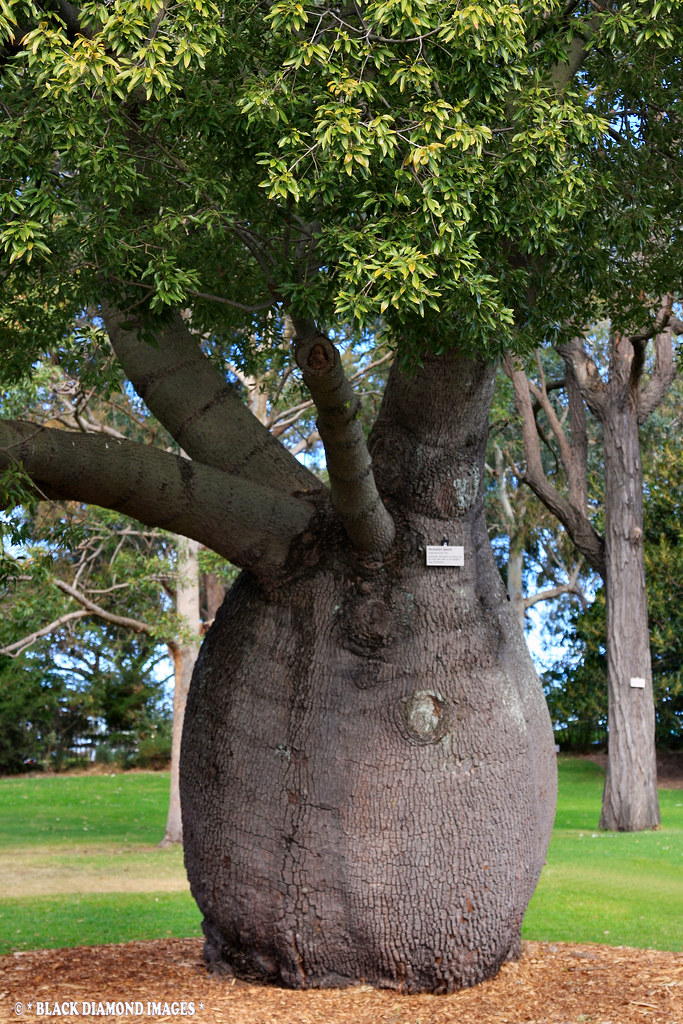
[(368, 771), (630, 800), (184, 654)]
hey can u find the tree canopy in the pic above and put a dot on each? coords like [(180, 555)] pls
[(405, 161)]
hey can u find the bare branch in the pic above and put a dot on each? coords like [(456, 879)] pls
[(652, 394), (543, 400), (578, 526), (19, 646), (503, 496), (310, 441), (554, 592), (231, 302), (578, 478), (137, 625)]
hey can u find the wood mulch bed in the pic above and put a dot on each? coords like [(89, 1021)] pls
[(553, 983)]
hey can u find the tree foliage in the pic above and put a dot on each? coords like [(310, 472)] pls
[(355, 162)]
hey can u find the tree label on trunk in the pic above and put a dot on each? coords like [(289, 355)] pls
[(445, 554), (637, 683)]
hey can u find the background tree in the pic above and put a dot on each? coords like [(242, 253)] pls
[(578, 686), (533, 552), (41, 714), (202, 173), (621, 401)]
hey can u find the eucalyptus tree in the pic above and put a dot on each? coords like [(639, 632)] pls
[(586, 664), (620, 400), (622, 396), (371, 796)]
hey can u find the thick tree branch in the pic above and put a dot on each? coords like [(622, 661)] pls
[(575, 521), (577, 51), (354, 492), (243, 521), (204, 414), (586, 376), (578, 481)]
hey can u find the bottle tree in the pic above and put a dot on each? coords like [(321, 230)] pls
[(367, 773)]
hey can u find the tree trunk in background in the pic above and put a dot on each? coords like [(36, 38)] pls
[(515, 578), (212, 594), (630, 800), (368, 770), (184, 653)]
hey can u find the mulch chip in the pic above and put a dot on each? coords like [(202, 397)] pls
[(166, 982)]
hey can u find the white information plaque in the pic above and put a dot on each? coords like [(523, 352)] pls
[(445, 554), (637, 682)]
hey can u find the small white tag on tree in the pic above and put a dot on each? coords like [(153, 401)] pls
[(445, 554), (637, 682)]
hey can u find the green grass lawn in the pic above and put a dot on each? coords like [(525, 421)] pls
[(81, 866), (616, 888), (72, 810), (80, 859)]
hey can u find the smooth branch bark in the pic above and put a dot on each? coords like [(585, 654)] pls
[(572, 513), (353, 489)]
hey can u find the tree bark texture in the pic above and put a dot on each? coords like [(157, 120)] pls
[(630, 801), (368, 772)]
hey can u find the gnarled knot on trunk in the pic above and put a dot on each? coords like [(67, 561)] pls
[(423, 716), (368, 625), (315, 355)]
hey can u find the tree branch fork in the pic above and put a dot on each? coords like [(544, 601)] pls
[(239, 491), (585, 384)]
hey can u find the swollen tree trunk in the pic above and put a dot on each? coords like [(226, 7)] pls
[(184, 653), (630, 800), (368, 773)]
